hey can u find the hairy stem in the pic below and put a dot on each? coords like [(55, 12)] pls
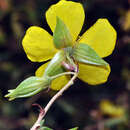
[(58, 94), (53, 99)]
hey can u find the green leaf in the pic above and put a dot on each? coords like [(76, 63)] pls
[(76, 128), (28, 87), (85, 54), (55, 66), (45, 128), (61, 36)]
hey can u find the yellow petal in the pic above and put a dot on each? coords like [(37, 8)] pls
[(60, 82), (93, 75), (108, 108), (56, 84), (71, 13), (101, 37), (40, 71), (38, 44)]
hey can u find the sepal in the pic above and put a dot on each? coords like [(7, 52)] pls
[(55, 66), (85, 54), (61, 36)]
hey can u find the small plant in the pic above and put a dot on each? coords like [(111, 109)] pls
[(69, 54)]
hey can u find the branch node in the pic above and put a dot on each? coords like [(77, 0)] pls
[(42, 110)]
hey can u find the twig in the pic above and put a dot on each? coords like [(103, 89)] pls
[(60, 93), (53, 99)]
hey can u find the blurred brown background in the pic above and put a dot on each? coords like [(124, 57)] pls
[(79, 106)]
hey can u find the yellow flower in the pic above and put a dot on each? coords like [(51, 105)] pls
[(39, 47), (110, 109)]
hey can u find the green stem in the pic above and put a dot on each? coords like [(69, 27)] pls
[(58, 75)]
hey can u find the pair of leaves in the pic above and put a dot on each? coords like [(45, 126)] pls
[(42, 127), (46, 128)]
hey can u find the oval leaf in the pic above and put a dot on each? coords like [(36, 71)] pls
[(76, 128)]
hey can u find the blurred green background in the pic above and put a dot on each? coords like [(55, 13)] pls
[(80, 105)]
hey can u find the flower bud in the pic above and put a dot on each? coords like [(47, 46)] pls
[(29, 87)]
